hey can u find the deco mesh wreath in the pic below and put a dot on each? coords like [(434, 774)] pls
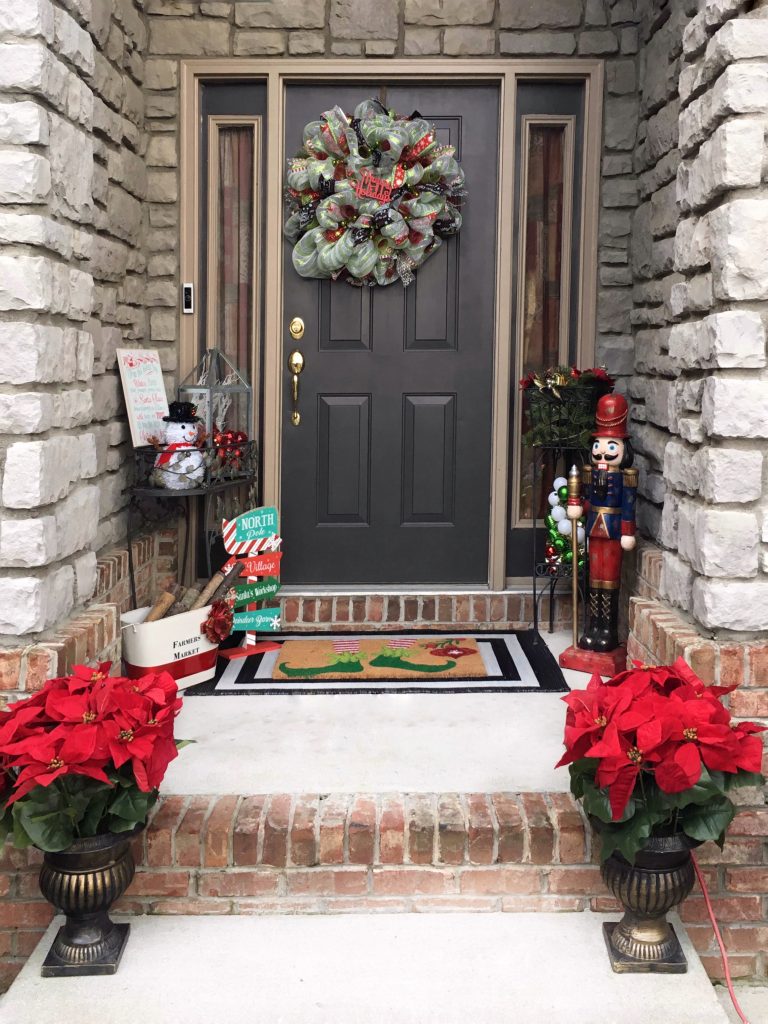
[(370, 196)]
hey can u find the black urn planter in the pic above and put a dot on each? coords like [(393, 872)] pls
[(83, 882), (661, 877)]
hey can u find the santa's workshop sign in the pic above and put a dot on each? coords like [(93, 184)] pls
[(253, 538)]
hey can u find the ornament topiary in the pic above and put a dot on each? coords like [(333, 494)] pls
[(370, 196), (558, 550)]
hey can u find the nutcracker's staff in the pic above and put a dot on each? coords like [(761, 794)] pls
[(573, 511)]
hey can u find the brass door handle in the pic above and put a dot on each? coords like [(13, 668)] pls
[(295, 365)]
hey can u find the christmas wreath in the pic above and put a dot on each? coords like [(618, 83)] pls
[(370, 196)]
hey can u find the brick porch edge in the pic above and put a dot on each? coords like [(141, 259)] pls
[(310, 854)]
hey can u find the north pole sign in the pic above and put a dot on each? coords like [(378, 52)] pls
[(253, 538)]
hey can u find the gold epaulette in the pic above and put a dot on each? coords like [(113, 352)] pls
[(630, 477)]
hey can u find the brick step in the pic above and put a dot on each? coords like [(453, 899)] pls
[(331, 854), (367, 969)]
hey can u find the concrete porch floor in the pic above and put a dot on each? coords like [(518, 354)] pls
[(379, 743), (366, 969)]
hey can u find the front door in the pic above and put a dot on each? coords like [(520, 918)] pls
[(386, 479)]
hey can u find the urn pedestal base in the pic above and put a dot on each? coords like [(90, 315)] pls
[(63, 956), (674, 961), (606, 663)]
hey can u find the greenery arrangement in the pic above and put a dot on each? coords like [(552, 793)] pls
[(653, 751), (560, 405), (84, 756)]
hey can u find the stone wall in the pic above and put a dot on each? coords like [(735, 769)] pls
[(701, 281), (72, 184)]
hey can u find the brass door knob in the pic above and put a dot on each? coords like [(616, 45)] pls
[(296, 328), (295, 365)]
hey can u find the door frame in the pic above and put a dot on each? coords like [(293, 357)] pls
[(280, 72)]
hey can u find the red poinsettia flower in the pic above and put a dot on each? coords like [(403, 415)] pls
[(46, 756), (622, 759)]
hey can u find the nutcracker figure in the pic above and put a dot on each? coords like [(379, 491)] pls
[(609, 488)]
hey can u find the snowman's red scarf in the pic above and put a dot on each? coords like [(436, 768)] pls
[(165, 454)]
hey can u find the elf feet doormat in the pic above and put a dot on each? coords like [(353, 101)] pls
[(416, 662)]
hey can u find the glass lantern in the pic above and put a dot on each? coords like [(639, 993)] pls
[(224, 402)]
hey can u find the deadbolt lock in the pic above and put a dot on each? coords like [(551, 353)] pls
[(296, 328)]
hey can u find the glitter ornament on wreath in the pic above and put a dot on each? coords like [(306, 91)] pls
[(370, 196)]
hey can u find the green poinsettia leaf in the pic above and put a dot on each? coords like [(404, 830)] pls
[(585, 767), (180, 744), (627, 838), (741, 778), (708, 821), (129, 805), (115, 824), (91, 821), (48, 827)]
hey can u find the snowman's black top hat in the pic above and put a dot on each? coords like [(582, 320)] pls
[(182, 412)]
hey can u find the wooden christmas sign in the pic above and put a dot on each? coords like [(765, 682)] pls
[(253, 538)]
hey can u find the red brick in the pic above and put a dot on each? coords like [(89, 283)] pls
[(308, 609), (322, 882), (541, 836), (10, 670), (26, 942), (726, 909), (428, 609), (731, 665), (245, 837), (5, 940), (735, 851), (585, 880), (41, 665), (5, 885), (290, 609), (410, 609), (451, 830), (747, 879), (160, 883), (368, 905), (421, 829), (749, 703), (501, 881), (511, 831), (750, 823), (8, 973), (741, 966), (479, 609), (745, 938), (15, 914), (218, 830), (409, 881), (341, 609), (187, 843), (569, 828), (159, 836), (394, 609), (276, 826), (461, 610), (392, 831), (701, 658), (541, 904), (445, 610), (358, 609), (28, 885), (325, 609), (333, 816), (462, 904), (605, 905), (757, 659), (375, 612), (237, 883), (702, 938), (480, 829), (303, 842), (361, 830)]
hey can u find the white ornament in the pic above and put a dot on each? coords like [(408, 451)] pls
[(560, 482), (564, 527), (558, 513), (553, 499), (580, 535), (181, 464)]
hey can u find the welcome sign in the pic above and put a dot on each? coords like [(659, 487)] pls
[(254, 539)]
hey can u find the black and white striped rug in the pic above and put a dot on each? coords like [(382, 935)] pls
[(515, 662)]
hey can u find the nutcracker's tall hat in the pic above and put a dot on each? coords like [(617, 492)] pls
[(611, 417)]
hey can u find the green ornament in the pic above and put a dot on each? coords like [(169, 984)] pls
[(567, 556), (560, 543), (581, 563), (550, 523), (562, 493)]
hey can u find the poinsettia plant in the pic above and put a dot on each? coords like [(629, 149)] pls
[(653, 751), (85, 755)]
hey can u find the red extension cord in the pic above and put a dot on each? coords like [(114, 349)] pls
[(719, 938)]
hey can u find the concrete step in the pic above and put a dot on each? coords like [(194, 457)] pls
[(366, 969)]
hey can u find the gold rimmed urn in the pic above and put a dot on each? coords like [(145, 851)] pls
[(83, 882), (643, 941)]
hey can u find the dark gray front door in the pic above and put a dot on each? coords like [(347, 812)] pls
[(387, 478)]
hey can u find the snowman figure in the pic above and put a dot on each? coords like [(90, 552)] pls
[(180, 463)]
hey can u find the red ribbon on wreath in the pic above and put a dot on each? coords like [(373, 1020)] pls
[(218, 625)]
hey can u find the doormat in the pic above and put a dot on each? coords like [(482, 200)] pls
[(423, 661)]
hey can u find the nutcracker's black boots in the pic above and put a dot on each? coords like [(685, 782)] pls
[(602, 632)]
